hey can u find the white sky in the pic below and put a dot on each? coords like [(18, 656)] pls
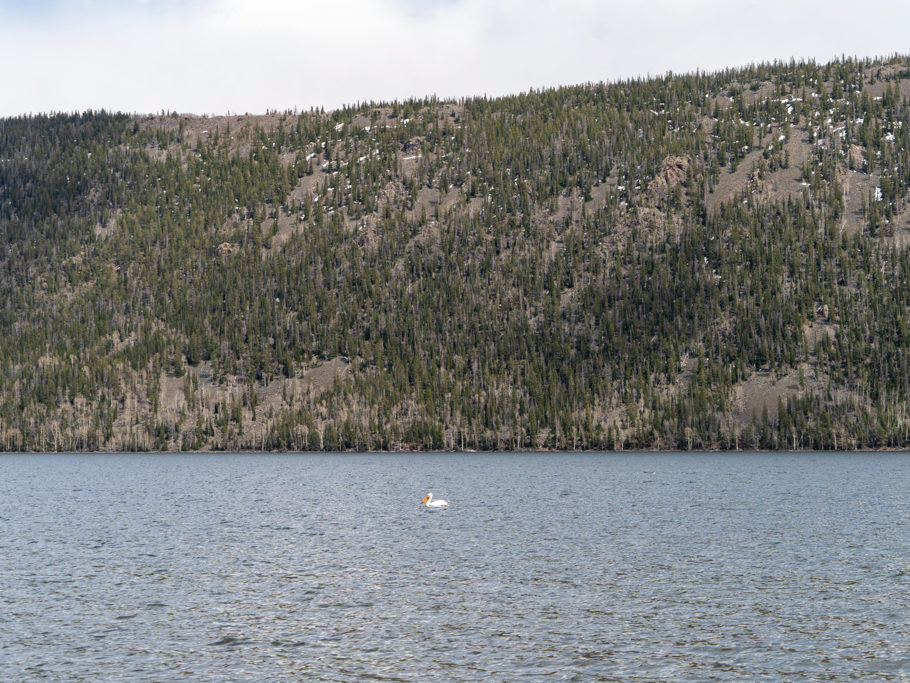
[(215, 56)]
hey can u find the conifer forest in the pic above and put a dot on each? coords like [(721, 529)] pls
[(699, 261)]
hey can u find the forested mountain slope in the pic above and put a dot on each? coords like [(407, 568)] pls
[(698, 261)]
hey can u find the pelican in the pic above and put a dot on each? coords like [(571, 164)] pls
[(433, 503)]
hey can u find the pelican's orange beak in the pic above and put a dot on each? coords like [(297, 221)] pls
[(425, 499)]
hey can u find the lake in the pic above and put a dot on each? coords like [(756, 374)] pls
[(579, 567)]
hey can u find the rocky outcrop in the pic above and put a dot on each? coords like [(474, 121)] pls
[(673, 172)]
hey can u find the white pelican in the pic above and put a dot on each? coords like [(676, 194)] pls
[(433, 503)]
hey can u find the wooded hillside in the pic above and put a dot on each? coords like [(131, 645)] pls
[(698, 261)]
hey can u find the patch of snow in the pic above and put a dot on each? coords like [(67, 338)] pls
[(878, 194)]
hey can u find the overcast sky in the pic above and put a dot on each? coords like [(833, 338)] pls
[(215, 56)]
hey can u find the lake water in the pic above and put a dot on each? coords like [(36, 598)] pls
[(545, 567)]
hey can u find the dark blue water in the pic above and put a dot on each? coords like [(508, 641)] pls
[(545, 567)]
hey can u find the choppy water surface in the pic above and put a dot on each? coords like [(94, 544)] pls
[(572, 567)]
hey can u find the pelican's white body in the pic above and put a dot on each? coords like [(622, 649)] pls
[(430, 503)]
